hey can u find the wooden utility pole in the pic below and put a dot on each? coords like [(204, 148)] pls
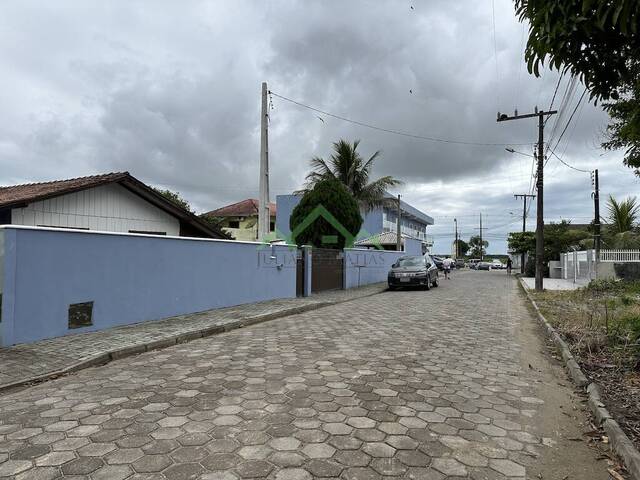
[(264, 215), (524, 223), (398, 226), (481, 242), (596, 220), (455, 221), (540, 187)]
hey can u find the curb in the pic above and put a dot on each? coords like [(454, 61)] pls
[(622, 445), (109, 356)]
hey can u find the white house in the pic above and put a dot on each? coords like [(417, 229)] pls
[(113, 202)]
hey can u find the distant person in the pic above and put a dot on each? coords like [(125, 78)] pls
[(446, 266), (509, 265)]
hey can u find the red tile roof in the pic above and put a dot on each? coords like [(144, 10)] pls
[(245, 208), (32, 192)]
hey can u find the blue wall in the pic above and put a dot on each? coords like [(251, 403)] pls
[(412, 246), (362, 267), (130, 278)]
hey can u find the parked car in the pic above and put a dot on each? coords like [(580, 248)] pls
[(497, 264), (483, 266), (413, 271), (438, 261), (473, 263), (460, 263)]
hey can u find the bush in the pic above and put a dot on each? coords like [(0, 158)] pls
[(327, 216)]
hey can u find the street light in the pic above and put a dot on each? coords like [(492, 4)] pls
[(511, 150)]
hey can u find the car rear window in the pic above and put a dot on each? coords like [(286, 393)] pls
[(411, 262)]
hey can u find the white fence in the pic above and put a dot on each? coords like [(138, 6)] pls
[(620, 256)]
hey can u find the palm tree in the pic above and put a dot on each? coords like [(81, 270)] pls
[(622, 215), (346, 165)]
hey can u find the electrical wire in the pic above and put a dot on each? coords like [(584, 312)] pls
[(567, 165), (395, 132)]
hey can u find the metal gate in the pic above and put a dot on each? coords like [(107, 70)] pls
[(300, 273), (327, 267)]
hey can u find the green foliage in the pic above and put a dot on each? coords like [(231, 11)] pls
[(463, 247), (522, 242), (598, 41), (347, 166), (622, 215), (175, 198), (333, 230), (216, 223), (560, 238), (478, 248), (623, 130)]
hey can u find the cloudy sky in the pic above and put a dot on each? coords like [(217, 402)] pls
[(170, 91)]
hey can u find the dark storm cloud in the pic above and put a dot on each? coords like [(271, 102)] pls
[(170, 92)]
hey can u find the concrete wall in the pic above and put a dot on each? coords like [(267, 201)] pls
[(130, 278), (412, 246), (362, 267), (110, 208)]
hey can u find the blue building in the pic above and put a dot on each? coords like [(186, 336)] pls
[(384, 219)]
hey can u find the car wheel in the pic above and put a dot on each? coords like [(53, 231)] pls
[(391, 288)]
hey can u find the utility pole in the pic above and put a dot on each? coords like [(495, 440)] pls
[(481, 243), (398, 225), (524, 222), (596, 220), (540, 187), (264, 215), (455, 220)]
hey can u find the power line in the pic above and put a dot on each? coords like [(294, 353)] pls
[(394, 132), (567, 165)]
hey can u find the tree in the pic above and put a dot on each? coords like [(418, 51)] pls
[(463, 247), (215, 222), (522, 242), (598, 41), (175, 198), (478, 248), (327, 216), (347, 166), (622, 215)]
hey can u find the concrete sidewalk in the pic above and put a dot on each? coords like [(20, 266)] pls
[(34, 362), (555, 283)]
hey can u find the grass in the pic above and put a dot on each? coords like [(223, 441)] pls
[(601, 320)]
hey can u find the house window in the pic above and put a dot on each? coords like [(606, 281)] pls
[(80, 315), (272, 226), (234, 224)]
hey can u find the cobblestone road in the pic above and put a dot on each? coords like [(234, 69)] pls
[(415, 384)]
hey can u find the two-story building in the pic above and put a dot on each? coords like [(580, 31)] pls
[(413, 222)]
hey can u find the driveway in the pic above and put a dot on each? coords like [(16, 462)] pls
[(450, 383)]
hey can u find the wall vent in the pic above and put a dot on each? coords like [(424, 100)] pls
[(80, 315)]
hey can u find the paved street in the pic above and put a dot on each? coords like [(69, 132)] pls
[(413, 384)]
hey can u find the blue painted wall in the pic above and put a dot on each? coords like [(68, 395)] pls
[(412, 246), (130, 278), (363, 267)]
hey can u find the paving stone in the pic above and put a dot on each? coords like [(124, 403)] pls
[(508, 468), (254, 469), (354, 390), (45, 473), (13, 467), (82, 466)]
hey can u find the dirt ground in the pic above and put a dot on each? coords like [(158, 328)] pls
[(564, 421)]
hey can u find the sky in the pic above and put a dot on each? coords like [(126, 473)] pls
[(170, 91)]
